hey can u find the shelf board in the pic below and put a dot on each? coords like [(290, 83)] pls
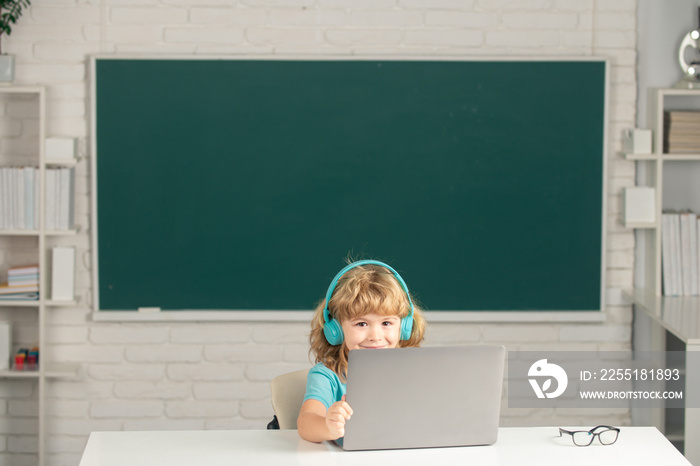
[(679, 91), (57, 303), (53, 371), (13, 374), (61, 162), (640, 156), (19, 232), (19, 303), (677, 314), (693, 157), (36, 303), (641, 225), (21, 89), (72, 232), (666, 157)]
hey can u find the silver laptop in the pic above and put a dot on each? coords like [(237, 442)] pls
[(424, 397)]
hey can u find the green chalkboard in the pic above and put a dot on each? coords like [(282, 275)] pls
[(243, 184)]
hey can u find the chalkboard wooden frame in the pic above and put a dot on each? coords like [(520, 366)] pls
[(399, 259)]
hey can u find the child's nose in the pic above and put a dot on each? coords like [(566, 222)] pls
[(376, 332)]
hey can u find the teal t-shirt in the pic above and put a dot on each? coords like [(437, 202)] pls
[(323, 384)]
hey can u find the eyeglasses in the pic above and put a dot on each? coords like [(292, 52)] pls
[(607, 435)]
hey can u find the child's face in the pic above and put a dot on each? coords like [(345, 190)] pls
[(372, 331)]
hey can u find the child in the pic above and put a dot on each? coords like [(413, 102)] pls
[(367, 306)]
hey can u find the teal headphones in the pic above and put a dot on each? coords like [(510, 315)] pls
[(331, 327)]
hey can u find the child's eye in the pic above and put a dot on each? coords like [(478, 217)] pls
[(387, 323), (361, 324)]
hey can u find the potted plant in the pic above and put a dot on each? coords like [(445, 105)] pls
[(10, 11)]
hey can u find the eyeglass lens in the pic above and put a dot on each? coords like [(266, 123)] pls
[(583, 438), (606, 437)]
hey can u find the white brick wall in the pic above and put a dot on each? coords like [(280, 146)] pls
[(176, 375)]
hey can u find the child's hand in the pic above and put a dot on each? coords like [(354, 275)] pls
[(337, 414)]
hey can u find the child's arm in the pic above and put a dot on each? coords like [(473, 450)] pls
[(317, 424)]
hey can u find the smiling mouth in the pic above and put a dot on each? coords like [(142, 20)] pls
[(372, 347)]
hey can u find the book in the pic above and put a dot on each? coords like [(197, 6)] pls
[(23, 280), (21, 276), (680, 254), (693, 252), (23, 269), (7, 290), (29, 207), (677, 269), (19, 207), (66, 190), (60, 188), (3, 199), (5, 344), (684, 223), (681, 132), (50, 198), (19, 297), (18, 174), (62, 273), (666, 273), (12, 216), (672, 269)]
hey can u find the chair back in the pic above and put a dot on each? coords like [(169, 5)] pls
[(288, 392)]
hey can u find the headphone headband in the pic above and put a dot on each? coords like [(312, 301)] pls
[(333, 334)]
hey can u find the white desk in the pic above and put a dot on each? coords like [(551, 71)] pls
[(681, 317), (539, 446)]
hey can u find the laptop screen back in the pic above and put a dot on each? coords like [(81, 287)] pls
[(424, 397)]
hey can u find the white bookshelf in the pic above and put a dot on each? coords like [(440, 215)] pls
[(658, 316), (25, 110)]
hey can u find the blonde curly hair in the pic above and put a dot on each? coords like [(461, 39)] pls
[(365, 289)]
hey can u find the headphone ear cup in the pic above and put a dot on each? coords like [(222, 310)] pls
[(406, 327), (333, 332)]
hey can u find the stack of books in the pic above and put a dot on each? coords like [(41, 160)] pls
[(22, 283), (680, 253), (682, 132), (59, 198), (19, 198)]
